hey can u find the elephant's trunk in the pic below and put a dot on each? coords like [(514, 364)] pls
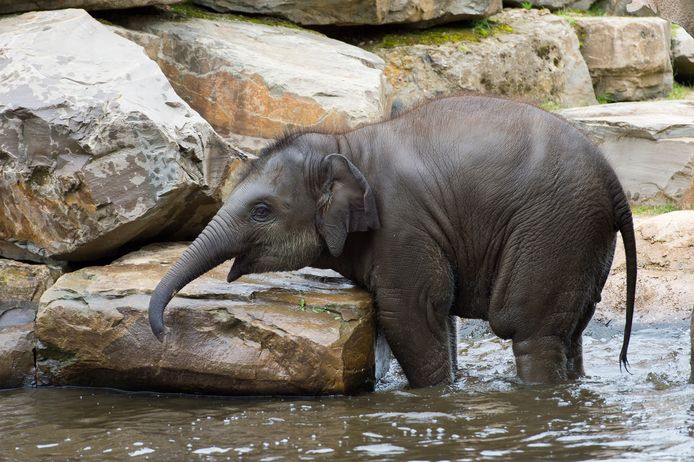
[(212, 247)]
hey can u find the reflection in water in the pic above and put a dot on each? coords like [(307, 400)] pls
[(485, 415)]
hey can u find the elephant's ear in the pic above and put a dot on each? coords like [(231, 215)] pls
[(346, 203)]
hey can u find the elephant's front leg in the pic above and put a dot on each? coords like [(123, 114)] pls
[(414, 309)]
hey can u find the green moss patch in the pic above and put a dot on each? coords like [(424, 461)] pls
[(681, 91), (649, 210), (187, 10), (440, 35)]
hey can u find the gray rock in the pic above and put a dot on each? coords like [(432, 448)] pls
[(19, 6), (359, 12), (306, 332), (21, 287), (683, 55), (96, 148), (258, 81), (532, 56), (649, 144), (628, 58), (552, 5)]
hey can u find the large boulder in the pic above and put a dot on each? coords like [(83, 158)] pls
[(21, 287), (649, 144), (683, 55), (96, 148), (360, 12), (307, 332), (530, 55), (628, 58), (258, 80), (665, 284), (18, 6)]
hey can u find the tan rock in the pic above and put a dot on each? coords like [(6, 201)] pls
[(96, 148), (257, 80), (665, 283), (628, 58), (531, 55), (360, 12), (21, 286), (306, 332), (649, 144), (19, 6)]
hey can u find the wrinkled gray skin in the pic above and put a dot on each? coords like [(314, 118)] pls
[(475, 207)]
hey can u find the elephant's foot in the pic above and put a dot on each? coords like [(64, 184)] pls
[(541, 360)]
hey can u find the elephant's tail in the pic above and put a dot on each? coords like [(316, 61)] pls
[(626, 228)]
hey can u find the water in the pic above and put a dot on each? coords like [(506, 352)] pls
[(485, 415)]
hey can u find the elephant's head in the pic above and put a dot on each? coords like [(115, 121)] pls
[(290, 206)]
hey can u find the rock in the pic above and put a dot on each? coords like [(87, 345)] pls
[(665, 282), (650, 145), (96, 148), (628, 58), (691, 331), (358, 12), (307, 332), (21, 286), (256, 80), (19, 6), (683, 55), (528, 54)]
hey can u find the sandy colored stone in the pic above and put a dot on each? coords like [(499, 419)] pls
[(96, 148), (362, 12), (21, 286), (307, 332), (256, 80), (665, 283), (628, 58), (534, 57), (19, 6), (649, 144)]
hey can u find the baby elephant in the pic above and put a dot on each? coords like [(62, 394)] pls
[(471, 206)]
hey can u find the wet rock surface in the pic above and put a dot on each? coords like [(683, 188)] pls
[(257, 80), (628, 58), (649, 144), (665, 284), (360, 12), (19, 6), (533, 56), (96, 148), (21, 286), (307, 332)]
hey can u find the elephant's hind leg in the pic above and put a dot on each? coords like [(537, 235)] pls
[(541, 359)]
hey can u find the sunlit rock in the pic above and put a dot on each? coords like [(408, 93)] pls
[(370, 12), (259, 81), (628, 58), (649, 144), (529, 55), (665, 285), (306, 332), (21, 286), (96, 148)]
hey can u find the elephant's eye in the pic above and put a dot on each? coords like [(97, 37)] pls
[(261, 212)]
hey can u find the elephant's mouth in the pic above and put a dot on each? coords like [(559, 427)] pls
[(237, 269)]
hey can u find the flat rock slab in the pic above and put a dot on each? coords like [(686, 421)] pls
[(531, 55), (308, 332), (19, 6), (21, 286), (361, 12), (261, 81), (96, 148), (649, 144), (665, 284), (628, 58)]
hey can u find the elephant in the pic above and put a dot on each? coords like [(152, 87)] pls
[(678, 11), (469, 206)]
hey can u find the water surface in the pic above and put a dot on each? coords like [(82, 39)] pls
[(485, 415)]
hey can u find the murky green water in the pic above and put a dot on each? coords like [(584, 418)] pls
[(486, 415)]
